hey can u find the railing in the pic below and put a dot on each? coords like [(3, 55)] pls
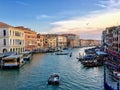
[(107, 87)]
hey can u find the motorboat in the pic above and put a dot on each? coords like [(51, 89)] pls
[(27, 55), (71, 54), (62, 53), (54, 79), (89, 57)]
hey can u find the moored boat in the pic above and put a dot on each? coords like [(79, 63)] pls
[(27, 55), (62, 53), (54, 79), (13, 61), (79, 58), (89, 57)]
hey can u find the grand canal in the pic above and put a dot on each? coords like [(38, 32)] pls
[(34, 75)]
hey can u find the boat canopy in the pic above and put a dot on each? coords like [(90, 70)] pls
[(89, 56), (26, 52), (9, 53), (12, 57), (101, 53), (1, 55)]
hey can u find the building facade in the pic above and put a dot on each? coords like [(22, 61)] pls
[(52, 42), (72, 40), (40, 41), (87, 42), (30, 38), (11, 39), (61, 41), (111, 42)]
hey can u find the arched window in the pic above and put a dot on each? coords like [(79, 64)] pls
[(11, 50), (4, 50), (4, 32), (4, 42), (10, 41), (13, 41)]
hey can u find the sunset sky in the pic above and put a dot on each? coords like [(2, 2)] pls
[(87, 18)]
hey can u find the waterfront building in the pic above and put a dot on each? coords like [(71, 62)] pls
[(82, 42), (111, 44), (61, 41), (93, 42), (71, 43), (111, 39), (45, 41), (52, 42), (89, 42), (97, 42), (30, 38), (11, 39), (104, 40), (40, 41), (116, 42), (72, 40), (49, 41), (119, 41)]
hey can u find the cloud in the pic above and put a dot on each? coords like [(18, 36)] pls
[(109, 4), (42, 16), (22, 3), (92, 24)]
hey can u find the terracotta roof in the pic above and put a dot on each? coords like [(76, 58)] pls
[(68, 34), (27, 30), (4, 25), (22, 27)]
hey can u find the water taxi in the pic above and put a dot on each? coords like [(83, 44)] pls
[(14, 61), (54, 79)]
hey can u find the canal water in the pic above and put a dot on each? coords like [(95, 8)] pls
[(34, 75)]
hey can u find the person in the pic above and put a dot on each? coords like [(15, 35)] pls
[(71, 54)]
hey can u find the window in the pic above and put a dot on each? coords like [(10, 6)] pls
[(11, 50), (4, 41), (18, 42), (17, 33), (10, 32), (4, 32), (10, 41), (13, 41)]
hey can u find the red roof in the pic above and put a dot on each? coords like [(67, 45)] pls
[(4, 25)]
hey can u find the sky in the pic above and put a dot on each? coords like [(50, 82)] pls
[(86, 18)]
